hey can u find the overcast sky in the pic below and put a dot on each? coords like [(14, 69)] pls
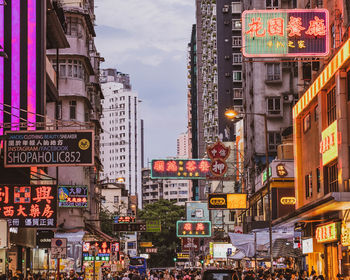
[(148, 40)]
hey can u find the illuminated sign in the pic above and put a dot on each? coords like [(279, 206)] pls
[(183, 256), (287, 33), (180, 168), (146, 244), (281, 170), (193, 229), (124, 219), (327, 233), (264, 175), (73, 196), (329, 143), (102, 253), (151, 250), (129, 227), (307, 245), (49, 148), (286, 200), (328, 72), (29, 205), (189, 244), (227, 201), (345, 234), (218, 153)]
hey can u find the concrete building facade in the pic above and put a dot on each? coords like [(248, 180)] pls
[(121, 140)]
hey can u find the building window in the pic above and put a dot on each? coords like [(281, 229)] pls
[(272, 4), (318, 178), (237, 76), (274, 106), (72, 110), (308, 185), (116, 199), (307, 122), (236, 24), (274, 140), (74, 26), (237, 58), (59, 110), (236, 41), (131, 245), (331, 178), (232, 216), (236, 7), (331, 106), (237, 93), (273, 72)]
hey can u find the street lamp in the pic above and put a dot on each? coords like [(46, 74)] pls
[(232, 114)]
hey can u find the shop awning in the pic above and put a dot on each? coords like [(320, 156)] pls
[(331, 202), (98, 234)]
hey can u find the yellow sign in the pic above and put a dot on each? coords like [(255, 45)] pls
[(345, 234), (146, 244), (329, 143), (237, 201), (327, 233), (84, 144), (183, 255), (218, 201), (286, 200)]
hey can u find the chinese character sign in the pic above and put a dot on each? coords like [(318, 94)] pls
[(103, 250), (73, 196), (29, 206), (180, 168), (193, 229), (271, 33)]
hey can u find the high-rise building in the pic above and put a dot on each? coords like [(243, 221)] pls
[(182, 146), (121, 140)]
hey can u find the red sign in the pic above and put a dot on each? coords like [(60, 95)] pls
[(29, 206), (218, 151), (218, 167), (126, 219), (151, 250), (190, 243)]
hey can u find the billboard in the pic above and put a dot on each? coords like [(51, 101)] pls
[(29, 205), (180, 168), (197, 211), (193, 229), (73, 196), (49, 148), (285, 33), (227, 201), (329, 143), (222, 250), (102, 253)]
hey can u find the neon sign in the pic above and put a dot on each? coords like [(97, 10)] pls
[(294, 33), (193, 229), (327, 233), (329, 143), (180, 168)]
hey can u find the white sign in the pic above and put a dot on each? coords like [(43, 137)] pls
[(3, 234), (146, 256), (114, 267), (58, 248), (308, 245), (220, 250)]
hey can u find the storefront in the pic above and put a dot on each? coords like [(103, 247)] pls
[(345, 242)]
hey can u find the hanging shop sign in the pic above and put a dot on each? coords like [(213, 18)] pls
[(327, 233), (49, 148), (281, 170), (73, 196), (193, 229), (218, 153), (100, 250), (180, 168), (288, 200), (190, 244), (285, 33), (151, 250), (264, 175), (345, 233), (43, 238), (183, 256), (124, 219), (227, 201), (329, 143), (129, 227), (307, 245), (146, 244), (153, 226), (29, 205)]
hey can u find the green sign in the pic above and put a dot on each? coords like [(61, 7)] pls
[(153, 226), (264, 176), (97, 258)]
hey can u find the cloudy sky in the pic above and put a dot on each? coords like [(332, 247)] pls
[(148, 40)]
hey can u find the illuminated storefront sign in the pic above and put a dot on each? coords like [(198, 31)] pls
[(328, 72), (286, 200), (218, 153), (73, 196), (281, 170), (180, 168), (227, 201), (29, 206), (307, 245), (193, 229), (102, 250), (124, 219), (345, 234), (327, 233), (288, 33), (49, 148), (329, 143), (183, 256)]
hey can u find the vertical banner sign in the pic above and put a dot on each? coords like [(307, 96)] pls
[(218, 153), (29, 206), (288, 33)]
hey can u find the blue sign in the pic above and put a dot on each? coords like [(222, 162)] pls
[(197, 211)]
